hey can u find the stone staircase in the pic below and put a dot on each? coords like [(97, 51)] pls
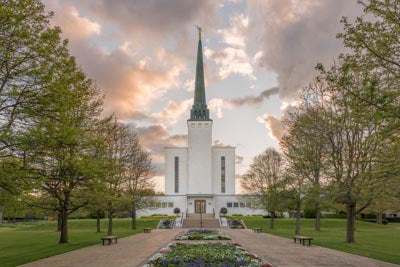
[(193, 221)]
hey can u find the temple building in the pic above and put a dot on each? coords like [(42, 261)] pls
[(200, 178)]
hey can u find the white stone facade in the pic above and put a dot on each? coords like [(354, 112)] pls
[(200, 177)]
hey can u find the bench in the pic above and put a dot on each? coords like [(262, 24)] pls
[(109, 239), (302, 239), (257, 230), (147, 230)]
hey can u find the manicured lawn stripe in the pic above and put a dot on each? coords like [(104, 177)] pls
[(376, 241), (26, 243)]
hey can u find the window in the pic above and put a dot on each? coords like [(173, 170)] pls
[(229, 205), (242, 204), (223, 174), (236, 205), (248, 204), (170, 205), (176, 174), (158, 204)]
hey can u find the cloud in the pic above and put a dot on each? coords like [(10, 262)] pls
[(73, 25), (297, 34), (154, 138), (254, 100), (129, 80), (149, 22), (231, 61), (239, 159), (218, 104), (234, 36), (274, 124), (218, 143), (173, 111)]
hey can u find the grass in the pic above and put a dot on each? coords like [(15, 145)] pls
[(24, 242), (381, 242)]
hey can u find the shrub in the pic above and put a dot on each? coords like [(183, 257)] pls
[(223, 210), (393, 219), (384, 221), (334, 216), (177, 210), (309, 213)]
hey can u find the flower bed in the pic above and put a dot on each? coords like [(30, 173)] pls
[(204, 254), (235, 224), (166, 224), (202, 234)]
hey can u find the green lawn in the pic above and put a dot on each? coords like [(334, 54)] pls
[(24, 243), (380, 242)]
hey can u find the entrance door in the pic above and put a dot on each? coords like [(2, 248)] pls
[(200, 206)]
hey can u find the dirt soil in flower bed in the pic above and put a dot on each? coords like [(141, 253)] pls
[(206, 255)]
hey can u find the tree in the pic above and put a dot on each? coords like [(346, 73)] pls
[(60, 143), (117, 158), (303, 145), (27, 59), (139, 184), (265, 172), (354, 142), (375, 44)]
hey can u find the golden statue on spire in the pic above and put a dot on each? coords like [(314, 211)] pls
[(199, 30)]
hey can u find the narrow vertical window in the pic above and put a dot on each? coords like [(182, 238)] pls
[(222, 174), (176, 174)]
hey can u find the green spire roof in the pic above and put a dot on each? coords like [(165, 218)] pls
[(199, 110)]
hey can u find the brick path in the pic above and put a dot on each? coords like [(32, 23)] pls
[(135, 250), (280, 251), (129, 251)]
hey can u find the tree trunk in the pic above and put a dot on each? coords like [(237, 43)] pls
[(298, 215), (64, 219), (317, 217), (58, 221), (98, 222), (379, 217), (350, 222), (110, 217), (134, 226), (272, 221), (64, 226), (1, 215)]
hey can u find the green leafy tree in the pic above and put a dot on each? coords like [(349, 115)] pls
[(61, 140), (28, 49), (303, 147), (264, 173)]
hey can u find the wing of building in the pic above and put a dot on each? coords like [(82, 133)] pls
[(200, 178)]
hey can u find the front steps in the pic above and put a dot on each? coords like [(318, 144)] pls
[(193, 221)]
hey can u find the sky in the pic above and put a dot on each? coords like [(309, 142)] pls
[(258, 55)]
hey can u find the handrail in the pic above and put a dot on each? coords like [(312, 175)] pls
[(182, 219), (201, 219)]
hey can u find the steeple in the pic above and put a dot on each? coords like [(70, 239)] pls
[(199, 111)]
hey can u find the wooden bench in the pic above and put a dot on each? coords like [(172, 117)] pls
[(109, 239), (302, 239), (147, 230), (257, 230)]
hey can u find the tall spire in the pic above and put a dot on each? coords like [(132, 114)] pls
[(199, 109)]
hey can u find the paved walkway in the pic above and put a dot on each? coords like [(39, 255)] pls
[(129, 251), (136, 249), (280, 251)]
